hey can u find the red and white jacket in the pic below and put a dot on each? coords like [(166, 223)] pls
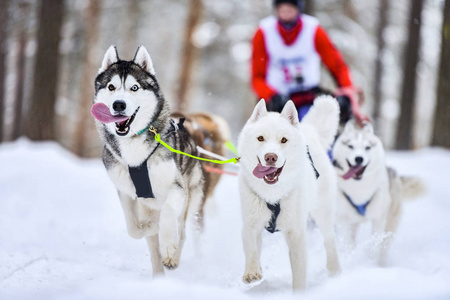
[(288, 61)]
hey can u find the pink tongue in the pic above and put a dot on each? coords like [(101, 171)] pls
[(260, 171), (101, 112), (352, 172)]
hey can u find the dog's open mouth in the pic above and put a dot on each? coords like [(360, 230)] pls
[(269, 174), (101, 112), (122, 128), (355, 172)]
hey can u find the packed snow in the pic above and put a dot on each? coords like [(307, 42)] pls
[(63, 236)]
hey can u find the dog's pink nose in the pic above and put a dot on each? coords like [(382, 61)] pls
[(270, 158)]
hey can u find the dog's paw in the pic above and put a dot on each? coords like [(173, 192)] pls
[(170, 263), (250, 277)]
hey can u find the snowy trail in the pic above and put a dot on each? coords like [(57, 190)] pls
[(63, 236)]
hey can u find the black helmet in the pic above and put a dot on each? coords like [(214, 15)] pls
[(298, 3)]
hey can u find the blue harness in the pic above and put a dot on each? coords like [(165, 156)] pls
[(361, 209)]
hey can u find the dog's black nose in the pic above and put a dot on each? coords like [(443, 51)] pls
[(358, 160), (119, 105), (270, 158)]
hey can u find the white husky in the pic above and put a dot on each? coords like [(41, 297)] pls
[(279, 187), (368, 190)]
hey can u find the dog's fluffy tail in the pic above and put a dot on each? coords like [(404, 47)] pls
[(222, 126), (412, 187), (405, 187), (324, 117)]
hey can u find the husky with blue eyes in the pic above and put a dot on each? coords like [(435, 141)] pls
[(368, 191), (156, 187)]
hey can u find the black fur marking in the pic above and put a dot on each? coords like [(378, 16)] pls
[(111, 141), (337, 165), (108, 158), (123, 68), (312, 162), (137, 51), (178, 184), (275, 209), (179, 138)]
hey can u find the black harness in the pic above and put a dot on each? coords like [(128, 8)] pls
[(141, 180), (276, 208), (139, 175)]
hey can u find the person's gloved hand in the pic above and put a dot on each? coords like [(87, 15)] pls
[(276, 103), (352, 94)]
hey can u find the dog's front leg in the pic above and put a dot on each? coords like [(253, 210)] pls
[(255, 214), (378, 231), (171, 226), (251, 238), (153, 245), (137, 226), (325, 223), (296, 241)]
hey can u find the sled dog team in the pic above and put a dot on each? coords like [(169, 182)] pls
[(285, 174)]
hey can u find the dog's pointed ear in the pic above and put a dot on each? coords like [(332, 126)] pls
[(142, 59), (349, 126), (367, 127), (111, 57), (259, 111), (290, 112)]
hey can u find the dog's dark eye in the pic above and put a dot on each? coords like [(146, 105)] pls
[(350, 146), (111, 87), (134, 88), (283, 140), (367, 148), (261, 138)]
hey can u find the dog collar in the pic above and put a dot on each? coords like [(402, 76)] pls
[(361, 209), (143, 130)]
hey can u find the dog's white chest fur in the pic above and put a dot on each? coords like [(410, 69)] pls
[(275, 168)]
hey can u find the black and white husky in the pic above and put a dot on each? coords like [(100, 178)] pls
[(156, 187)]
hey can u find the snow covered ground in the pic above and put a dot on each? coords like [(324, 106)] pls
[(63, 236)]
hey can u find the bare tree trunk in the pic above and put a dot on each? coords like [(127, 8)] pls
[(85, 122), (4, 16), (309, 7), (20, 67), (441, 128), (188, 53), (350, 10), (41, 114), (405, 125), (382, 23), (131, 27)]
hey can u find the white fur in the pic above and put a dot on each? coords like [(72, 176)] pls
[(386, 190), (142, 58), (297, 189), (110, 58)]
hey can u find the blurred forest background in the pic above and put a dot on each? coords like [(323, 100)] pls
[(50, 51)]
